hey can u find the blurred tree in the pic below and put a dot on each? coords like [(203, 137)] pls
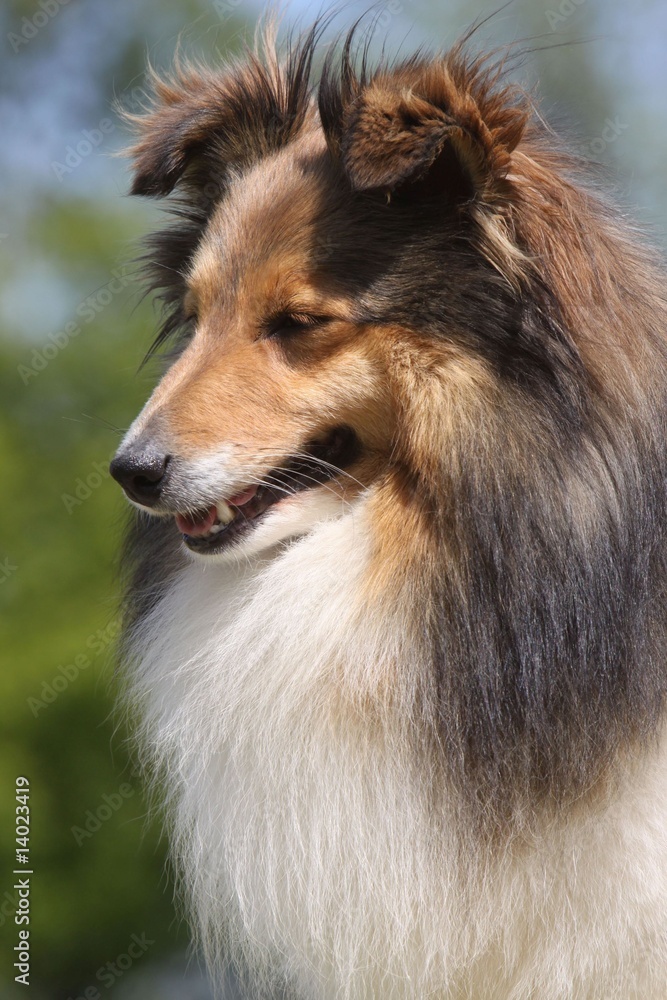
[(98, 876), (75, 331)]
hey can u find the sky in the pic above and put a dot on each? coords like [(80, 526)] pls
[(59, 74)]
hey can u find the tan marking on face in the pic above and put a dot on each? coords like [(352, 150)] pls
[(263, 396)]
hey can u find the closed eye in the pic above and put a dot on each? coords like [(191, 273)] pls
[(288, 324)]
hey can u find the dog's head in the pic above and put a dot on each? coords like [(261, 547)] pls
[(329, 254), (391, 291)]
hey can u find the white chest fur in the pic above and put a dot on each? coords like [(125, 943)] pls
[(307, 830)]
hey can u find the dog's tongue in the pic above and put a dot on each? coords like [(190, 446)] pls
[(245, 497), (202, 522), (196, 524)]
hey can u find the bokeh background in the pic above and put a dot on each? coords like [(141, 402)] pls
[(74, 330)]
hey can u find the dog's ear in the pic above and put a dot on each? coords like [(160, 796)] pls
[(190, 111), (441, 118), (202, 120)]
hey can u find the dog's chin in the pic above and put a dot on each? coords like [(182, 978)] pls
[(282, 522)]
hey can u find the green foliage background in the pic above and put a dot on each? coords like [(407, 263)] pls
[(61, 242)]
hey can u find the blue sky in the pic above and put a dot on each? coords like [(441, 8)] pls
[(56, 89)]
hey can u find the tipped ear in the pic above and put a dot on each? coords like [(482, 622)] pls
[(402, 127), (393, 137), (202, 120), (189, 111)]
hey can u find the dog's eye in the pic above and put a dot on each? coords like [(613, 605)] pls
[(290, 324)]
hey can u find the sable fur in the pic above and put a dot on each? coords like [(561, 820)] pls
[(420, 753)]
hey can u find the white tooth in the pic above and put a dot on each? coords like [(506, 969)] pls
[(225, 512)]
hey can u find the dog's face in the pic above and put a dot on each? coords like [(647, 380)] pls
[(276, 412), (308, 295), (305, 299), (398, 299)]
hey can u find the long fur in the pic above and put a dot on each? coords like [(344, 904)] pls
[(417, 751)]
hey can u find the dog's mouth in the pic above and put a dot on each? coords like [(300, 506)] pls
[(213, 528)]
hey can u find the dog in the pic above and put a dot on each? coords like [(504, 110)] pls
[(395, 618)]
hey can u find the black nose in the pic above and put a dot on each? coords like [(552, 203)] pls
[(141, 473)]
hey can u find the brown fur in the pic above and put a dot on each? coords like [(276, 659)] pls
[(431, 198), (407, 252)]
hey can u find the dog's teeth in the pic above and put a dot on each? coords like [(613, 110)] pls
[(225, 512)]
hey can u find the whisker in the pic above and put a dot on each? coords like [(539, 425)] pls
[(106, 423), (328, 465), (274, 486), (268, 454), (327, 485), (99, 420), (298, 474)]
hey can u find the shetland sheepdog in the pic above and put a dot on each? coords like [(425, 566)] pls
[(396, 614)]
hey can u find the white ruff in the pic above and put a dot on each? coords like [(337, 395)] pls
[(307, 828)]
